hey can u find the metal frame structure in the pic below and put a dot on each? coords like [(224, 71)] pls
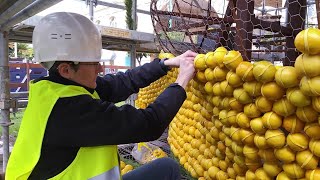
[(14, 27)]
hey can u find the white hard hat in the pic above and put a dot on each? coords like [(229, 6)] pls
[(64, 36)]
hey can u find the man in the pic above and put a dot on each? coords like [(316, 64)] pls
[(71, 127)]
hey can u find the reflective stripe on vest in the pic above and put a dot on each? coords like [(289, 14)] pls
[(111, 174), (98, 162)]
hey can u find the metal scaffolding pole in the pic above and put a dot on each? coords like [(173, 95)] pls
[(4, 97), (91, 4), (29, 11), (15, 8)]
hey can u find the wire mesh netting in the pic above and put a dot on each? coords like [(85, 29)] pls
[(259, 29)]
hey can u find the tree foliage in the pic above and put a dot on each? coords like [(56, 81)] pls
[(129, 20)]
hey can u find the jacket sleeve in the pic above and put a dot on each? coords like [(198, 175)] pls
[(82, 121), (116, 88)]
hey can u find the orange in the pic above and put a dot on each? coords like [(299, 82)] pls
[(275, 138), (285, 154), (292, 124), (233, 79), (307, 65), (297, 98), (200, 62), (283, 107), (253, 88), (263, 104), (307, 114), (210, 61), (307, 160), (293, 170), (232, 59), (298, 141)]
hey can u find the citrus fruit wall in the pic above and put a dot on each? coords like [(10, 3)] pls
[(245, 120)]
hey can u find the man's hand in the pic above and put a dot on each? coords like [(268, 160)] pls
[(176, 61), (186, 67)]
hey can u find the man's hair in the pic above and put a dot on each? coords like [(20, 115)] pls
[(54, 68)]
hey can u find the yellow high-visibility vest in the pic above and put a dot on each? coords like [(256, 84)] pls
[(94, 163)]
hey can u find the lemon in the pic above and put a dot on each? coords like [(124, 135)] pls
[(272, 168), (271, 120), (292, 124), (219, 54), (293, 170), (256, 125), (264, 71), (245, 71), (307, 65), (297, 98), (283, 107), (263, 104), (307, 40), (233, 79), (272, 91), (307, 160), (287, 77), (200, 62), (210, 61), (285, 154), (232, 59), (275, 138), (298, 141), (253, 88), (312, 130), (307, 114), (313, 174)]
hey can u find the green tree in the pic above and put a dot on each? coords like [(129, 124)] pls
[(129, 20), (24, 50)]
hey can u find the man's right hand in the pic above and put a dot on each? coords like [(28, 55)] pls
[(187, 70)]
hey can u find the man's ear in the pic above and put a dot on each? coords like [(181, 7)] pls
[(65, 70)]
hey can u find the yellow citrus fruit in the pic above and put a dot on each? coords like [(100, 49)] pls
[(283, 107), (219, 54), (312, 130), (245, 71), (263, 104), (233, 79), (201, 77), (297, 98), (222, 175), (250, 152), (235, 104), (226, 89), (275, 138), (256, 125), (307, 65), (232, 59), (298, 141), (243, 120), (292, 124), (313, 174), (307, 40), (264, 71), (200, 62), (253, 88), (271, 120), (253, 164), (213, 171), (208, 74), (316, 103), (272, 168), (310, 87), (293, 170), (307, 114), (314, 147), (247, 137), (219, 74), (261, 174), (287, 77), (216, 89), (283, 176), (250, 175), (285, 154), (272, 91), (232, 118), (267, 155), (242, 96), (210, 61), (208, 87), (260, 141), (307, 160), (231, 172), (251, 110)]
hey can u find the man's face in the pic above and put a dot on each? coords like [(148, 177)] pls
[(86, 74)]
